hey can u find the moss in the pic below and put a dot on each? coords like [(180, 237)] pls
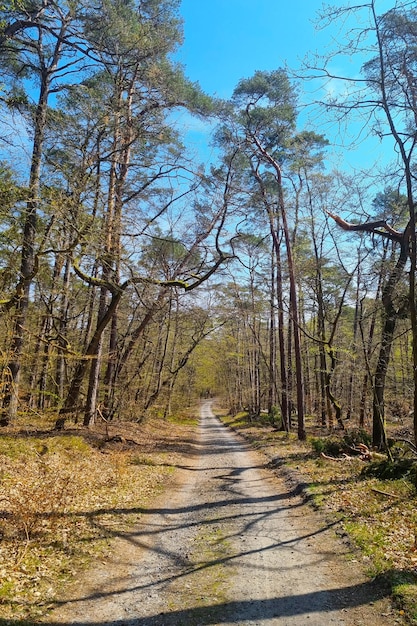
[(404, 590), (392, 470), (13, 448), (6, 590), (372, 542), (330, 447), (337, 446), (183, 420), (70, 443)]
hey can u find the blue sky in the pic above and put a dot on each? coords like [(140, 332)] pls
[(226, 40)]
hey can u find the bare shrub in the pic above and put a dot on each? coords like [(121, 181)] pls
[(34, 494)]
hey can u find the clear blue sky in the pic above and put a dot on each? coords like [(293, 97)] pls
[(226, 40)]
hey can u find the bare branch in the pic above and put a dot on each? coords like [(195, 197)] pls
[(369, 227)]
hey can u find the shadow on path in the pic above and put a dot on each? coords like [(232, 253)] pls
[(240, 612), (263, 534)]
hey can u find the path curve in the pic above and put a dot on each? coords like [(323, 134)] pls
[(229, 545)]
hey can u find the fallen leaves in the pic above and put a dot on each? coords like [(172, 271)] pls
[(58, 509)]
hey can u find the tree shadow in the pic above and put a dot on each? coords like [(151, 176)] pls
[(327, 602), (225, 511)]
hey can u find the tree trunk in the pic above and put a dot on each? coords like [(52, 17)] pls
[(294, 318), (28, 259), (350, 393), (71, 401), (391, 315), (272, 363), (367, 346), (62, 331)]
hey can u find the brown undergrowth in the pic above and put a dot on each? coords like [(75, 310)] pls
[(64, 495), (377, 515)]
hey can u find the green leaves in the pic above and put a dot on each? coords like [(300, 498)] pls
[(267, 105)]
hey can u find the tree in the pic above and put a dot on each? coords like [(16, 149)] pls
[(394, 303), (263, 128), (106, 154), (389, 75), (36, 47)]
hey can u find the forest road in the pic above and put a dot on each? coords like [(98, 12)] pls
[(230, 544)]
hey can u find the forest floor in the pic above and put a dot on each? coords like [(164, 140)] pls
[(164, 518)]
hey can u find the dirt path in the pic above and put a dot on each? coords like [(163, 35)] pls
[(228, 545)]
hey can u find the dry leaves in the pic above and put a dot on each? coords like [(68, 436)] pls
[(62, 497)]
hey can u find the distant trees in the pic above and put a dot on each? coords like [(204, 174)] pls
[(342, 325), (37, 48), (262, 129)]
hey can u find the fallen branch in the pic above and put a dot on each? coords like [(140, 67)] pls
[(362, 452), (409, 443), (114, 438), (345, 457), (385, 493)]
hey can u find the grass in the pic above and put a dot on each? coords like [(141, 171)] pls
[(404, 589), (204, 599), (187, 417)]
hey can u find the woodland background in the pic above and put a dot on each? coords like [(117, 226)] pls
[(134, 280)]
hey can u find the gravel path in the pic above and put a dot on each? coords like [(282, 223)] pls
[(230, 545)]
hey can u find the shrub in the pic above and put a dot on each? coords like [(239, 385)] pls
[(328, 446), (352, 437), (333, 446), (392, 470), (275, 417)]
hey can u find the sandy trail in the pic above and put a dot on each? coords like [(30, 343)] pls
[(230, 544)]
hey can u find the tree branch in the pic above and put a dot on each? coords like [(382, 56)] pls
[(369, 227)]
